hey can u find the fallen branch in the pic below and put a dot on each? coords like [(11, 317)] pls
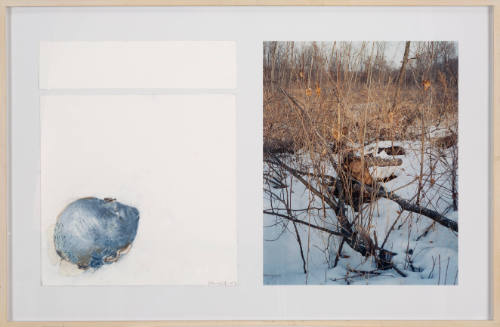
[(277, 214), (408, 206), (380, 191), (355, 240)]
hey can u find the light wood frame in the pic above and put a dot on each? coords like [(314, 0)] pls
[(494, 6)]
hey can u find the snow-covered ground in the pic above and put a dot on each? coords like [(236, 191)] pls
[(430, 258)]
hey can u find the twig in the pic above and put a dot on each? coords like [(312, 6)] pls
[(399, 271), (303, 223)]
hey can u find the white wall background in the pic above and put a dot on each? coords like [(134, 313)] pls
[(249, 27)]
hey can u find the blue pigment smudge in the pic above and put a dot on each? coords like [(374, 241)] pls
[(91, 232)]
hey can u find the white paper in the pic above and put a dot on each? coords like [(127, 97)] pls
[(168, 64), (171, 156)]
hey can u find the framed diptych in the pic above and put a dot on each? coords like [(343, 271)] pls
[(249, 163)]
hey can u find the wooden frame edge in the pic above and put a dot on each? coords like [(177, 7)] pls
[(4, 161), (495, 256), (142, 3), (4, 285)]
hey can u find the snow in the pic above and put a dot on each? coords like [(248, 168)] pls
[(425, 259)]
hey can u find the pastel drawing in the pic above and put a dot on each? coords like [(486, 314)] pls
[(91, 232)]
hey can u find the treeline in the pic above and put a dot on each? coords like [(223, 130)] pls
[(359, 63)]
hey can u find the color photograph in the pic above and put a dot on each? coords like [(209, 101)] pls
[(360, 177)]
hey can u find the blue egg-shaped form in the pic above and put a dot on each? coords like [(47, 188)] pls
[(91, 232)]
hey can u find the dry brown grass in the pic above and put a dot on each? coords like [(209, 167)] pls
[(358, 115)]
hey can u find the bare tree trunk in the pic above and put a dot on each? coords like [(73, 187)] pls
[(273, 63), (422, 157), (401, 75)]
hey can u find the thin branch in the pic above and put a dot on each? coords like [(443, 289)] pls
[(303, 222)]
